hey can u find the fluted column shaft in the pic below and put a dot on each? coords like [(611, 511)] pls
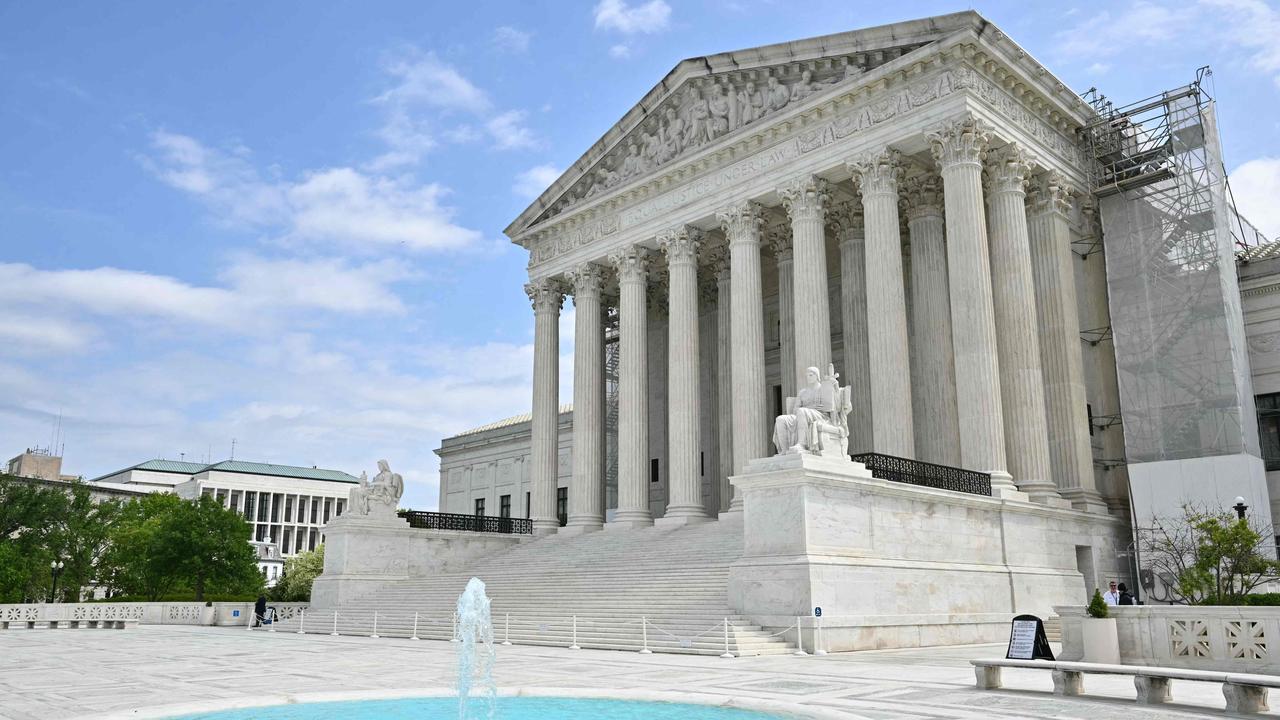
[(1060, 352), (683, 401), (891, 424), (805, 201), (742, 226), (544, 426), (586, 493), (780, 240), (724, 379), (959, 147), (633, 396), (1014, 299), (936, 426), (850, 234)]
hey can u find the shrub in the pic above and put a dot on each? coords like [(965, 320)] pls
[(1097, 606)]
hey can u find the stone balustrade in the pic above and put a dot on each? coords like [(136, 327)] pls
[(24, 615)]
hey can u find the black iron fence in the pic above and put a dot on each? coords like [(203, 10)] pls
[(467, 523), (915, 472)]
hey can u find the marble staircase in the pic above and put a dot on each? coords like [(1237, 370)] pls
[(673, 581)]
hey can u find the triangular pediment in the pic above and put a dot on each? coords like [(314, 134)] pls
[(707, 100)]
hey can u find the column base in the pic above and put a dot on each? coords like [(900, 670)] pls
[(581, 527), (1086, 500), (542, 528), (731, 515), (677, 516), (1045, 493), (1002, 487), (634, 522)]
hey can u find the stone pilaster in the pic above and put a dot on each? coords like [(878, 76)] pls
[(742, 225), (959, 147), (887, 350), (934, 396), (586, 489), (547, 297), (684, 501), (805, 200), (846, 222), (724, 379), (780, 243), (1060, 354), (632, 265)]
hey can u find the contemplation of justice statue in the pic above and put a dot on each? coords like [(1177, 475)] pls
[(817, 419), (378, 496)]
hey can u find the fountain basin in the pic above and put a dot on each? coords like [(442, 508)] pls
[(507, 708)]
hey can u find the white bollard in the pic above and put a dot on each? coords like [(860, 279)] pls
[(574, 646), (415, 627), (375, 624), (506, 639), (818, 646), (335, 624), (271, 627), (302, 620), (799, 640), (726, 654), (644, 635), (455, 628)]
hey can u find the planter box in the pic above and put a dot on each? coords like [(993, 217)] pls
[(1101, 644)]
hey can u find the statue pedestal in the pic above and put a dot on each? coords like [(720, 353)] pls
[(364, 552)]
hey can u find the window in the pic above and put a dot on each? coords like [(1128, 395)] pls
[(528, 505), (1269, 428), (264, 505), (777, 400), (341, 504), (1088, 410), (311, 544), (653, 470), (504, 506), (288, 508), (276, 500), (479, 506), (315, 511), (249, 499), (327, 505), (562, 505)]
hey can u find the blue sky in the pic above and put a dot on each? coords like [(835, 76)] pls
[(281, 222)]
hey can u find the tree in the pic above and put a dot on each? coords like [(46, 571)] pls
[(300, 571), (136, 563), (1097, 606), (1209, 558), (30, 516)]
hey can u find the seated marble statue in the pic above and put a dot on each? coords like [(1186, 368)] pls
[(818, 418), (378, 496)]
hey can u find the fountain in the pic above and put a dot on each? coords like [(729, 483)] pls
[(475, 648)]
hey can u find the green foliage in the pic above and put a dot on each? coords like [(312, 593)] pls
[(1210, 558), (300, 571), (1097, 606), (1262, 599)]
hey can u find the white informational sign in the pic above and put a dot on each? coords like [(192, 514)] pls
[(1022, 641)]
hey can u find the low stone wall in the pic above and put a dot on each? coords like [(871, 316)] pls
[(1228, 639), (147, 613)]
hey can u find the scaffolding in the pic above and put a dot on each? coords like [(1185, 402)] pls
[(611, 388), (1170, 236)]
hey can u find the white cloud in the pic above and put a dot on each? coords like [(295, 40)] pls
[(1256, 188), (1252, 25), (621, 51), (509, 131), (531, 182), (649, 17), (422, 79), (512, 40), (338, 205), (1140, 23), (1099, 68)]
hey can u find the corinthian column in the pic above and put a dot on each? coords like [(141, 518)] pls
[(586, 490), (741, 224), (846, 222), (936, 426), (959, 147), (1014, 295), (805, 200), (684, 502), (1059, 322), (724, 379), (891, 426), (547, 297), (633, 398), (780, 242)]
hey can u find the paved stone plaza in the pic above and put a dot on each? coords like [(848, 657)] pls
[(71, 674)]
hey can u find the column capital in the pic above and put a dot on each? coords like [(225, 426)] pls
[(960, 140), (1049, 193), (587, 280), (631, 263), (717, 259), (877, 172), (681, 244), (805, 197), (922, 197), (846, 221), (547, 295), (779, 238), (1007, 169), (741, 221)]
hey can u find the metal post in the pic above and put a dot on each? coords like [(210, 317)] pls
[(574, 646), (335, 623), (506, 640), (375, 624), (819, 648), (644, 635), (726, 654), (455, 628), (271, 627), (415, 627), (302, 620), (799, 640)]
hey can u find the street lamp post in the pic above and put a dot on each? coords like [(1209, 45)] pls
[(1240, 507), (55, 569)]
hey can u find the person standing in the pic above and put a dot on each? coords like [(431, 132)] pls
[(1111, 597), (1126, 598)]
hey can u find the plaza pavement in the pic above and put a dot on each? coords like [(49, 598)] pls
[(60, 674)]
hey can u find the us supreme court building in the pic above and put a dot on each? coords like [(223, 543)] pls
[(1031, 295)]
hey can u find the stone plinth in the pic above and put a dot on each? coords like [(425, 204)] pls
[(363, 552), (895, 565)]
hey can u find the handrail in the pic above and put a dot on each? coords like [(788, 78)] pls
[(426, 520)]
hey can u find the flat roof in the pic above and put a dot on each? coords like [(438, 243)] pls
[(237, 466)]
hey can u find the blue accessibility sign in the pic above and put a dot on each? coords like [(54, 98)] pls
[(817, 612)]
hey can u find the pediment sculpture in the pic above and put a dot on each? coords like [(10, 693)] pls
[(817, 419), (378, 497)]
